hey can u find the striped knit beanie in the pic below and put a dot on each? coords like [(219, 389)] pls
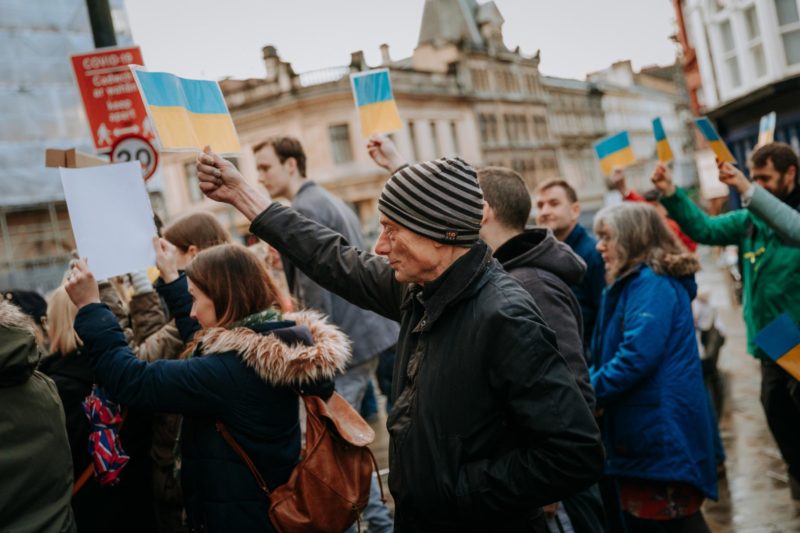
[(438, 199)]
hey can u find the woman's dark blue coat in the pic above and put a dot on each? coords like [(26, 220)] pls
[(649, 382), (246, 377)]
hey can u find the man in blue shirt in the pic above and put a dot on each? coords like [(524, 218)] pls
[(559, 209)]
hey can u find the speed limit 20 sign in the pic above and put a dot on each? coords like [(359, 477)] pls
[(136, 148)]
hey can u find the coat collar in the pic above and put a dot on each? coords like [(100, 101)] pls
[(458, 281), (282, 364)]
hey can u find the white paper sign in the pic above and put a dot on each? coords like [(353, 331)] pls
[(710, 186), (111, 216)]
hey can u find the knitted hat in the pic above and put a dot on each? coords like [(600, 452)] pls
[(438, 199)]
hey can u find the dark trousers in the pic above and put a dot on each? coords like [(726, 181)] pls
[(688, 524), (780, 397), (586, 512)]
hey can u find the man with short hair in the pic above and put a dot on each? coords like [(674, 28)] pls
[(545, 267), (542, 264), (281, 165), (771, 276), (488, 424), (559, 209)]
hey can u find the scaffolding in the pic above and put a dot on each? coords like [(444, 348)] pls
[(40, 108)]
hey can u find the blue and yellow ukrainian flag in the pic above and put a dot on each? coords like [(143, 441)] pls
[(715, 142), (663, 149), (614, 151), (377, 109), (780, 339), (766, 129), (187, 114)]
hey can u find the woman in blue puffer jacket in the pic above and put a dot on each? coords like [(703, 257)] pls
[(647, 377)]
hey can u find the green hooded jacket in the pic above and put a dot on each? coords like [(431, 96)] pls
[(771, 271), (35, 459)]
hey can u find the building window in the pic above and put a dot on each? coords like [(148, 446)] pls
[(341, 149), (192, 184), (539, 127), (412, 136), (729, 57), (454, 137), (493, 134), (480, 79), (789, 26), (483, 125), (511, 134), (437, 146), (754, 44), (530, 82)]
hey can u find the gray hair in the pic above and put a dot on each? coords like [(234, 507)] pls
[(642, 237)]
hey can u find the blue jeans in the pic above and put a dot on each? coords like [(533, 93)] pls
[(352, 386)]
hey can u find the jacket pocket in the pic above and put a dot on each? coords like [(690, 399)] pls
[(637, 431)]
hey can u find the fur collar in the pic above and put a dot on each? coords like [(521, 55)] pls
[(278, 363), (12, 317)]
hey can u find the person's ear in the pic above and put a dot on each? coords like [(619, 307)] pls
[(488, 213), (291, 165), (575, 209), (791, 173), (192, 250)]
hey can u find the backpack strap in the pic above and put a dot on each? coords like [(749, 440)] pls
[(243, 455)]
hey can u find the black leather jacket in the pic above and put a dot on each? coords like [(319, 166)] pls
[(488, 424)]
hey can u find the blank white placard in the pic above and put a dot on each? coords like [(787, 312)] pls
[(111, 216)]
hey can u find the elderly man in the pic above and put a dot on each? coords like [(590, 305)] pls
[(488, 424)]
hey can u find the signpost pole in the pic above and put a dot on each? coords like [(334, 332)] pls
[(102, 23)]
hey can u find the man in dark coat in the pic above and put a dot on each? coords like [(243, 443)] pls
[(559, 209), (488, 424), (545, 267)]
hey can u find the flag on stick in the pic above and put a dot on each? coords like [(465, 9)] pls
[(614, 151), (663, 148), (780, 339), (187, 114), (375, 102), (715, 142), (766, 129)]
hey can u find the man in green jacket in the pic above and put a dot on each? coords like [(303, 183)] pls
[(771, 275)]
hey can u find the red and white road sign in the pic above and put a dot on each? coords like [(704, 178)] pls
[(110, 95), (133, 148)]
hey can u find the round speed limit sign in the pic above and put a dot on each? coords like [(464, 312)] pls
[(136, 148)]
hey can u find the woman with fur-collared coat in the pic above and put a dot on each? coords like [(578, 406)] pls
[(647, 378), (248, 364)]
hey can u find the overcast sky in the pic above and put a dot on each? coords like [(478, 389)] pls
[(213, 39)]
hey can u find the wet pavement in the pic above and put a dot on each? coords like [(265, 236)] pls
[(754, 494)]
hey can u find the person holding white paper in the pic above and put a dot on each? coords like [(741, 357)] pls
[(104, 203), (244, 352)]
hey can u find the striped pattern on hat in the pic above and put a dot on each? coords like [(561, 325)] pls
[(438, 199)]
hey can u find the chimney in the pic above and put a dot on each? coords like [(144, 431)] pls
[(386, 59), (271, 62), (357, 63)]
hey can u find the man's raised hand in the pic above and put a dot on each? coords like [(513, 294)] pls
[(220, 181), (384, 152), (662, 179), (733, 177)]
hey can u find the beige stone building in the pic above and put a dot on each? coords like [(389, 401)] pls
[(462, 92), (577, 121)]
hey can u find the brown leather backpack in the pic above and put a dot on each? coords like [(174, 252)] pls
[(330, 485)]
